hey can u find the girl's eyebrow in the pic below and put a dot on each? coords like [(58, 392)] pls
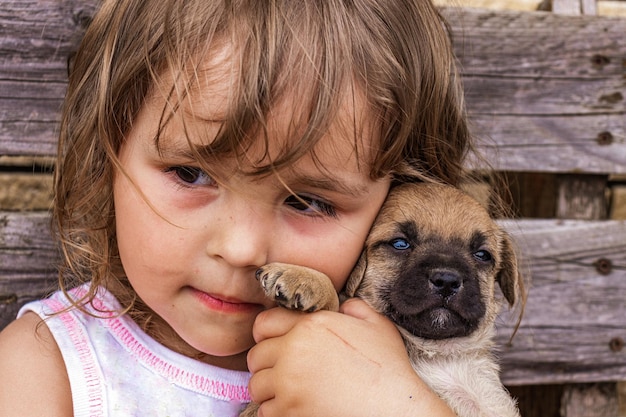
[(171, 148), (326, 183), (167, 150)]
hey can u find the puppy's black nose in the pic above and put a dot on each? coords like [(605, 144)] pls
[(446, 283)]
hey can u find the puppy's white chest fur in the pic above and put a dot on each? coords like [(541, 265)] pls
[(470, 385)]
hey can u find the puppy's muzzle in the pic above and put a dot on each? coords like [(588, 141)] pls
[(446, 283), (438, 298)]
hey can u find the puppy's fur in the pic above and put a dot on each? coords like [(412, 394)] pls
[(430, 263)]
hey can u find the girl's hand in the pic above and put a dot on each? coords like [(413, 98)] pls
[(332, 364)]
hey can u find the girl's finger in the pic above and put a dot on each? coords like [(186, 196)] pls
[(356, 307), (359, 309), (263, 355), (273, 323), (261, 387)]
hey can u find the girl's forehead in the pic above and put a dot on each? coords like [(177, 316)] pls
[(346, 144), (201, 89), (211, 97)]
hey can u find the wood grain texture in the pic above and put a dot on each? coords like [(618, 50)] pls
[(28, 259), (36, 39), (576, 310), (545, 92)]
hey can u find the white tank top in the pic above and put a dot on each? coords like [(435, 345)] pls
[(115, 369)]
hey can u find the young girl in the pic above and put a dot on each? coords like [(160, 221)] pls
[(199, 141)]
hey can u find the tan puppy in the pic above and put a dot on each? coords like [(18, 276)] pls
[(430, 263)]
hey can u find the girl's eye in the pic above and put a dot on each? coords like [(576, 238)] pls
[(191, 175), (483, 255), (400, 244), (310, 205)]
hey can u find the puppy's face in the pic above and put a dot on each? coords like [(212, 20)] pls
[(431, 263)]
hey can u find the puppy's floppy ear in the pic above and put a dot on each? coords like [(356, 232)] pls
[(355, 278), (508, 277)]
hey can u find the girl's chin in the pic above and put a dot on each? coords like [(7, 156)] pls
[(225, 359), (222, 348)]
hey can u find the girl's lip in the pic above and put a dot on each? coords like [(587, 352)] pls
[(225, 304)]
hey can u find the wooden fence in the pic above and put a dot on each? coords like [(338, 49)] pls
[(546, 95)]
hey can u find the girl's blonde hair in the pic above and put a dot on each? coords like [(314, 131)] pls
[(397, 53)]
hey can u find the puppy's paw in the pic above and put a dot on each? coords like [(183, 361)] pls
[(297, 287)]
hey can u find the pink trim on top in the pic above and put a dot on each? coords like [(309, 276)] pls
[(85, 356), (189, 380)]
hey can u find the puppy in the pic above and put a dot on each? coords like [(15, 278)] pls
[(430, 264)]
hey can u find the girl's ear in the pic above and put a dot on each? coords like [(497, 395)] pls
[(355, 278), (508, 277)]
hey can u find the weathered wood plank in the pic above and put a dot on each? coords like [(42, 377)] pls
[(567, 143), (537, 45), (582, 197), (575, 317), (35, 32), (26, 243), (545, 92), (36, 39), (590, 400), (548, 90), (27, 260), (571, 7), (574, 7), (29, 125)]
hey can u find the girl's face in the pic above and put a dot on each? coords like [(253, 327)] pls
[(190, 246)]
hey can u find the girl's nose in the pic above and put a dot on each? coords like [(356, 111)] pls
[(241, 236)]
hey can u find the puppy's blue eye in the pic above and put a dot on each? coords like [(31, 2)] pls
[(400, 244), (483, 256)]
